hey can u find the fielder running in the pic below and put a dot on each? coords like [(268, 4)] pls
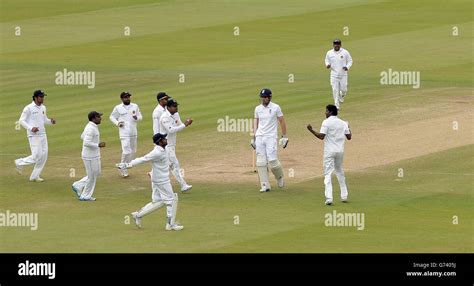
[(333, 131), (161, 185), (33, 118), (84, 188), (125, 116), (339, 61), (267, 116), (170, 124)]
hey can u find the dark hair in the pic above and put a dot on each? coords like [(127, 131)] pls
[(332, 108)]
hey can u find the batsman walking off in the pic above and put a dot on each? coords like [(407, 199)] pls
[(125, 116), (162, 194), (84, 188), (339, 61), (333, 131), (267, 116), (33, 118)]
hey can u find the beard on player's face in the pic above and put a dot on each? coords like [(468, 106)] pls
[(163, 142), (126, 100), (39, 100), (337, 47), (97, 120), (173, 109)]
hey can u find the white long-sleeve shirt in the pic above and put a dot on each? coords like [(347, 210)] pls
[(90, 141), (157, 113), (34, 116), (159, 162), (338, 60), (124, 113), (171, 124)]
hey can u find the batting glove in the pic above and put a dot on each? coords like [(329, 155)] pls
[(283, 141)]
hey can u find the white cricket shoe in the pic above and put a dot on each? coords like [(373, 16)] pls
[(341, 96), (18, 168), (91, 199), (344, 199), (76, 191), (38, 180), (173, 227), (186, 188), (281, 182), (138, 220), (123, 173), (328, 202), (264, 190)]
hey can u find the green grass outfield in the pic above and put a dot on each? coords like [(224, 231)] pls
[(224, 74)]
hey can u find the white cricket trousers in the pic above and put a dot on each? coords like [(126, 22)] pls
[(267, 146), (174, 164), (162, 195), (129, 149), (85, 186), (332, 161), (39, 155), (338, 84)]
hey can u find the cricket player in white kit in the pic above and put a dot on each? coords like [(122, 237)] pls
[(125, 116), (33, 118), (339, 61), (171, 124), (267, 116), (334, 132), (84, 188), (162, 98), (162, 194)]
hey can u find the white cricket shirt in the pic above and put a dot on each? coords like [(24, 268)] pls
[(34, 116), (90, 141), (159, 162), (157, 113), (268, 119), (124, 113), (335, 130), (171, 124), (338, 60)]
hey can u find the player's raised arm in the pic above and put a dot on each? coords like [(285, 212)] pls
[(317, 134), (166, 122)]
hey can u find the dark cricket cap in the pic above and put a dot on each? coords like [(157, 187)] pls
[(124, 94), (93, 114), (157, 137), (336, 41), (265, 92), (171, 102), (160, 95), (39, 92)]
